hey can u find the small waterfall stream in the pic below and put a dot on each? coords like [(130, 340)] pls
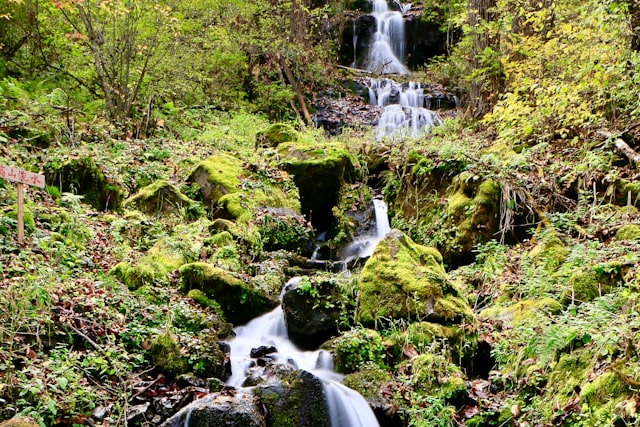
[(346, 407)]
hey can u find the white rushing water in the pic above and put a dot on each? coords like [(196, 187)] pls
[(404, 114), (346, 407), (387, 50), (363, 246)]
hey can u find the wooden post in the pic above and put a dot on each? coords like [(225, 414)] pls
[(20, 190), (21, 177)]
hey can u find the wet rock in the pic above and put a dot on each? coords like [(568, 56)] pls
[(227, 408), (296, 399), (261, 351), (311, 311)]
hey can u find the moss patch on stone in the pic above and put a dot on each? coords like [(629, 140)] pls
[(404, 280), (628, 232), (319, 171), (239, 301), (550, 252), (433, 374), (217, 175), (275, 134), (165, 355), (518, 312), (163, 197), (83, 176)]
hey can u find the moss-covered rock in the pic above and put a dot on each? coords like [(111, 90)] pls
[(166, 356), (587, 284), (628, 232), (296, 399), (136, 276), (473, 214), (276, 134), (370, 381), (83, 176), (27, 218), (550, 252), (239, 301), (404, 280), (421, 335), (217, 176), (600, 397), (163, 197), (319, 171), (433, 374)]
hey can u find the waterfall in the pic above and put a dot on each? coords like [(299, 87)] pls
[(404, 113), (386, 52), (363, 246), (346, 407)]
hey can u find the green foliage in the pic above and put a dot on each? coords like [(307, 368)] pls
[(357, 347)]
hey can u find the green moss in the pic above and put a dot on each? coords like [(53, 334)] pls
[(433, 374), (83, 176), (150, 295), (239, 300), (629, 232), (276, 134), (217, 175), (403, 280), (368, 381), (133, 277), (54, 218), (200, 297), (520, 311), (166, 356), (457, 205), (162, 197), (28, 221), (550, 252), (356, 348), (223, 238), (586, 285), (602, 395)]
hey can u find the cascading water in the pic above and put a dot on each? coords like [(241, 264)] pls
[(404, 113), (363, 246), (346, 407), (386, 52)]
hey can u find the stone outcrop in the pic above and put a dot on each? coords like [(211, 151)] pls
[(404, 280)]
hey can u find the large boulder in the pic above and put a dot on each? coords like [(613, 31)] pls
[(319, 171), (312, 309), (239, 300), (227, 408), (404, 280)]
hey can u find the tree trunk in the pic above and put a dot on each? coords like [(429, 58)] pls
[(478, 12), (296, 89)]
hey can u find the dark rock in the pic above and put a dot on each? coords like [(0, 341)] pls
[(261, 351), (83, 176), (224, 409), (311, 311), (296, 399)]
